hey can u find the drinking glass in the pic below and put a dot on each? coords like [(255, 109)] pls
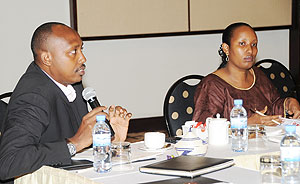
[(121, 156), (270, 169), (256, 134)]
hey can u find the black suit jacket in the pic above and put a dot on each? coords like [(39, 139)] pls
[(38, 121)]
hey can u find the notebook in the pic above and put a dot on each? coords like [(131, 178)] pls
[(187, 166)]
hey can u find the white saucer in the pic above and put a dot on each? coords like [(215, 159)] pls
[(144, 148), (276, 139)]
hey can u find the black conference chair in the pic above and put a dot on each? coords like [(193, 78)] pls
[(179, 103), (3, 107), (280, 76)]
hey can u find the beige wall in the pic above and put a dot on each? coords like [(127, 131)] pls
[(135, 73)]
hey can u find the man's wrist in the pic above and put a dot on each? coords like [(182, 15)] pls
[(71, 147)]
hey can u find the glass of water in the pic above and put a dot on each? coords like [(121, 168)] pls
[(270, 169), (121, 156)]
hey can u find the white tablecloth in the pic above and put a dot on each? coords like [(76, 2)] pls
[(246, 166), (50, 175)]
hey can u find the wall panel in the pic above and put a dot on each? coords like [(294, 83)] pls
[(127, 17), (217, 14)]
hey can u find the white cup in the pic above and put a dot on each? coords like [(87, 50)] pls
[(202, 134), (154, 140), (186, 127)]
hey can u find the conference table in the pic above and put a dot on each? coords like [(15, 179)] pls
[(245, 170)]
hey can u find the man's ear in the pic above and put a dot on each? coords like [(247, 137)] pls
[(225, 48), (46, 58)]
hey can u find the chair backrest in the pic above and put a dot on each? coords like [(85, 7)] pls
[(280, 76), (179, 103), (5, 95), (3, 107)]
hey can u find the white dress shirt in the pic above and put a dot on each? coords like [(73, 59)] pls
[(69, 91)]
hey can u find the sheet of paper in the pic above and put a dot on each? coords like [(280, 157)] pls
[(84, 154), (287, 121), (136, 155)]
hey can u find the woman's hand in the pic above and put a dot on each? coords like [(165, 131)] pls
[(293, 108), (264, 120)]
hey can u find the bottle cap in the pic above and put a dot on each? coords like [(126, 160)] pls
[(290, 128), (238, 102), (100, 118)]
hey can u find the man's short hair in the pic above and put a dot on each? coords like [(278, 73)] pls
[(40, 36)]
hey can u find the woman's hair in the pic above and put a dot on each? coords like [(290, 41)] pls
[(226, 38)]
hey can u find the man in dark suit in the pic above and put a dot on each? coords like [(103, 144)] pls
[(47, 120)]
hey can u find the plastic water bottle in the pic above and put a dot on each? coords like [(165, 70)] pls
[(102, 145), (290, 155), (238, 120)]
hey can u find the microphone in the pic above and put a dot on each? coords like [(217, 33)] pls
[(89, 95)]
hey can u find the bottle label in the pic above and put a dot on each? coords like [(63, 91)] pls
[(101, 140), (289, 154), (238, 122)]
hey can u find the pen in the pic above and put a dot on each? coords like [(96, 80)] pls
[(147, 159), (259, 113)]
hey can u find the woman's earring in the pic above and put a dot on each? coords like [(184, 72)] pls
[(227, 58)]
